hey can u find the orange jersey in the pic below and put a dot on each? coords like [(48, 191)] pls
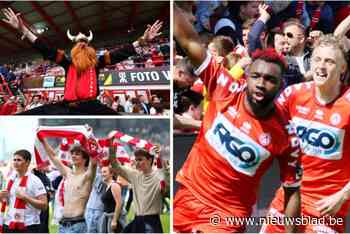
[(233, 148), (323, 131)]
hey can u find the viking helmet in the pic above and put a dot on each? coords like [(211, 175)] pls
[(80, 37)]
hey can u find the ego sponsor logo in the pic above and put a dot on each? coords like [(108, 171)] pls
[(244, 152), (317, 138)]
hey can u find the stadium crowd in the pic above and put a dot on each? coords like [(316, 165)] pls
[(14, 99)]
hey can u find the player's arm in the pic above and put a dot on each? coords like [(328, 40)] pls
[(188, 38), (291, 173), (332, 204), (341, 31), (291, 206), (343, 27)]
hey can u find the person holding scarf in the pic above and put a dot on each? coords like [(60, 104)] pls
[(24, 196)]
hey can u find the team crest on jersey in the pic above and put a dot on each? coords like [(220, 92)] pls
[(318, 139), (243, 153), (335, 118), (265, 139)]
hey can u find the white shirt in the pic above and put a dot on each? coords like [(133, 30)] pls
[(34, 188)]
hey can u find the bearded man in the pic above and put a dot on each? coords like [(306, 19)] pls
[(82, 70)]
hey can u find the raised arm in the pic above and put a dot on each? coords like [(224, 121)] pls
[(150, 33), (121, 170), (92, 169), (341, 31), (343, 27), (16, 22), (54, 159), (257, 29), (120, 54), (188, 38)]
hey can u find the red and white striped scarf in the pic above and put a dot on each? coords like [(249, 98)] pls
[(142, 144), (59, 203), (73, 134), (121, 153), (63, 152), (17, 211)]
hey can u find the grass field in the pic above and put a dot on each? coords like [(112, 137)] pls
[(164, 218)]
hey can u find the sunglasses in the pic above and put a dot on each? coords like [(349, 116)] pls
[(289, 35)]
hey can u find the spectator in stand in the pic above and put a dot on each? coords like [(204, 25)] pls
[(276, 40), (189, 106), (295, 35), (144, 105), (128, 104), (20, 106), (9, 107), (232, 26), (156, 107), (106, 100), (116, 105), (36, 102), (157, 57), (246, 27), (136, 106), (320, 16)]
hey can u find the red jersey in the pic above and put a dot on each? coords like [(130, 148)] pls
[(323, 132), (233, 148)]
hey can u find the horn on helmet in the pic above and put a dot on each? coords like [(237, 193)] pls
[(90, 36), (70, 37)]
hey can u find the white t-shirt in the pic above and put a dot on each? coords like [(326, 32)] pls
[(34, 188), (300, 61)]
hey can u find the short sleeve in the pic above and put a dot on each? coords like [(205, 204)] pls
[(37, 187)]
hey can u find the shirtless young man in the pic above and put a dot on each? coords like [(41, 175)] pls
[(77, 187)]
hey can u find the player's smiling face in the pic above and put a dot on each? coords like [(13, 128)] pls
[(263, 83), (326, 65)]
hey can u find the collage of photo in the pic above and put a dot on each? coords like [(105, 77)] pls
[(174, 116)]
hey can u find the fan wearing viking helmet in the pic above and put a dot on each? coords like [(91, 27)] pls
[(82, 69)]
